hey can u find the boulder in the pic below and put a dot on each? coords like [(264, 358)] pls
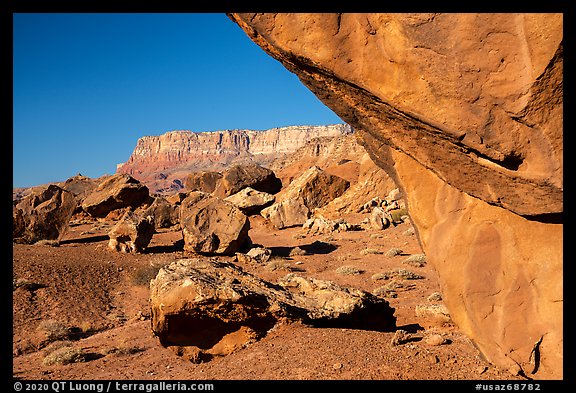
[(132, 233), (204, 181), (238, 177), (465, 112), (211, 225), (43, 215), (250, 201), (164, 213), (205, 308), (295, 204), (379, 218), (116, 192)]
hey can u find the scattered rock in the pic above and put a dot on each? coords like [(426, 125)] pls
[(255, 255), (371, 204), (116, 192), (393, 196), (321, 225), (132, 233), (211, 225), (437, 313), (379, 219)]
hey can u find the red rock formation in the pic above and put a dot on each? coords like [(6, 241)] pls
[(159, 160), (465, 112)]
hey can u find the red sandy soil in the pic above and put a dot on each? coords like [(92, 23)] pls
[(101, 297)]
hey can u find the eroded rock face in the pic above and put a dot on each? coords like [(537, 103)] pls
[(206, 308), (116, 192), (465, 113), (211, 225)]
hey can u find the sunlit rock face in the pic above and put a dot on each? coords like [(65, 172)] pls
[(465, 112)]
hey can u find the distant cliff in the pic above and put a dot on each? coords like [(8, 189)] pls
[(161, 161)]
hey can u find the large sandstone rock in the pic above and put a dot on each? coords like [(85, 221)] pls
[(238, 177), (204, 181), (207, 308), (475, 98), (465, 113), (164, 213), (211, 225), (295, 204), (116, 192), (43, 215)]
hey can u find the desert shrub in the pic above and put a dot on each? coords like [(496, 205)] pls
[(406, 274), (64, 355), (348, 270), (417, 260), (370, 251), (393, 252), (54, 330), (383, 291)]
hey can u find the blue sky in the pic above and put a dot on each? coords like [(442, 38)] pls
[(87, 86)]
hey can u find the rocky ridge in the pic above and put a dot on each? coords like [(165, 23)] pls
[(162, 162)]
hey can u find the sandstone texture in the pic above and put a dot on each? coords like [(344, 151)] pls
[(43, 215), (296, 203), (207, 308), (251, 201), (464, 111), (163, 162), (132, 233), (238, 177), (116, 192), (211, 225), (164, 213)]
